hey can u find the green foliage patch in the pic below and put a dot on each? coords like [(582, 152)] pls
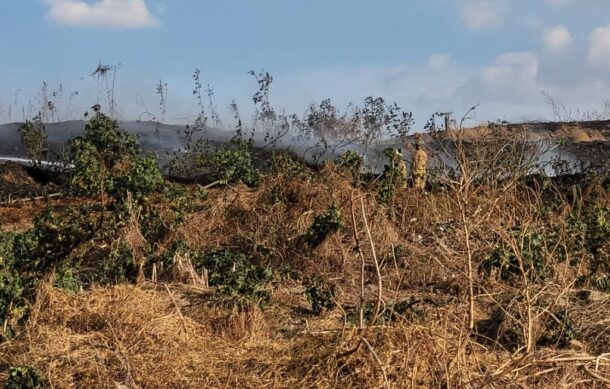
[(352, 162), (34, 138), (390, 180), (319, 296), (504, 259), (324, 225), (230, 165), (233, 273), (559, 330), (106, 160), (24, 377)]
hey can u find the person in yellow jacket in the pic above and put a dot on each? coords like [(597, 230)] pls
[(419, 165), (401, 166)]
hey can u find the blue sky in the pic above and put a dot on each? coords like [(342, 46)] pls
[(426, 55)]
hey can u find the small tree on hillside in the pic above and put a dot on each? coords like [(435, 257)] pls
[(34, 138)]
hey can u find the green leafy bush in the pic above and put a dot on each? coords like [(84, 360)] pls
[(106, 160), (52, 238), (181, 201), (234, 274), (111, 142), (559, 331), (13, 306), (66, 280), (598, 236), (589, 237), (153, 227), (24, 377), (89, 175), (284, 163), (232, 165), (352, 162), (324, 225), (34, 138), (321, 298), (505, 261), (141, 178), (390, 179), (116, 267)]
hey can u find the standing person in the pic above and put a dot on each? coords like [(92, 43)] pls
[(401, 166), (419, 165)]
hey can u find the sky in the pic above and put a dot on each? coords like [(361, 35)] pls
[(506, 56)]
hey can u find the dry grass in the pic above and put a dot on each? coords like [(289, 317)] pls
[(157, 335), (138, 337)]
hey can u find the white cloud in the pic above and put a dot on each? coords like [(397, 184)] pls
[(599, 47), (510, 67), (557, 38), (440, 61), (480, 15), (120, 14)]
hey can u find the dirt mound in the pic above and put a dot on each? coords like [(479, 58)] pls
[(17, 182), (12, 173)]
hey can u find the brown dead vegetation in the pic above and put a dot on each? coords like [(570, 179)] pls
[(461, 328)]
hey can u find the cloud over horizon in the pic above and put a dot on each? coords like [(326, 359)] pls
[(599, 47), (116, 14), (479, 15), (557, 38)]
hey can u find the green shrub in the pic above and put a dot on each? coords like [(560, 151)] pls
[(52, 238), (224, 164), (116, 267), (390, 179), (233, 273), (34, 139), (324, 225), (13, 306), (321, 298), (7, 240), (284, 163), (106, 160), (153, 227), (112, 143), (180, 201), (352, 162), (505, 261), (23, 377), (598, 235), (233, 165), (141, 178), (559, 331), (89, 174), (588, 229), (66, 280)]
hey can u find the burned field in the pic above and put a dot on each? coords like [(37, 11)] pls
[(293, 275)]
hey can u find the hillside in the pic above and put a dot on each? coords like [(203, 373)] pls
[(587, 142)]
